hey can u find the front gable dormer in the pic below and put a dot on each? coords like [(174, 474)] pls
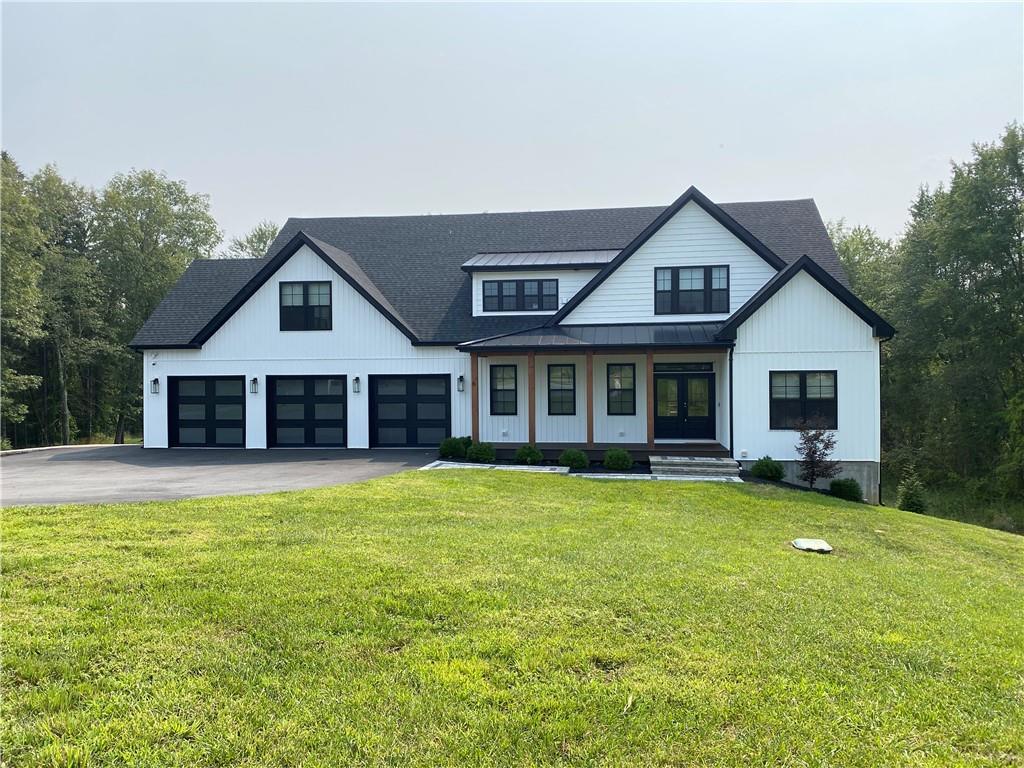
[(694, 263)]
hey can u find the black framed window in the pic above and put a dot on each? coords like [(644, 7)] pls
[(562, 390), (503, 390), (306, 306), (621, 389), (520, 295), (803, 397), (691, 290)]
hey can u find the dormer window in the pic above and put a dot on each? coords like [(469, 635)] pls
[(306, 306), (691, 290), (520, 295)]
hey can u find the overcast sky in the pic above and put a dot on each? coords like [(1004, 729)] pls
[(339, 110)]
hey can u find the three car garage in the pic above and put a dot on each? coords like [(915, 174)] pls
[(310, 411)]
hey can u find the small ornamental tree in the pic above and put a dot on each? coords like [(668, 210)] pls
[(815, 451)]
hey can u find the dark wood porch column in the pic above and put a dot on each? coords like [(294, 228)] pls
[(650, 398), (531, 392), (590, 398), (474, 389)]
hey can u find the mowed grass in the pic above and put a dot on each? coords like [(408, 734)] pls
[(497, 618)]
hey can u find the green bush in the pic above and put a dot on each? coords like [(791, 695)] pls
[(529, 454), (618, 459), (846, 488), (481, 453), (768, 468), (574, 458), (910, 493), (452, 448)]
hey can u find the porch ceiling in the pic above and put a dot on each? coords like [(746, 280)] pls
[(583, 337)]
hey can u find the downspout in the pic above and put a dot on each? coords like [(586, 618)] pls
[(732, 442)]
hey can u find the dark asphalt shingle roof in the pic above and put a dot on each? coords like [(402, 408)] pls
[(584, 336), (414, 262)]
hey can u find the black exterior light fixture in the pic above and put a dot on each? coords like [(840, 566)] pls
[(254, 385), (355, 385), (154, 386), (460, 383)]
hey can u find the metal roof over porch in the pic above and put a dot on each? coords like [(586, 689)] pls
[(565, 337)]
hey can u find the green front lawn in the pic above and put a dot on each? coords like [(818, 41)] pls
[(497, 618)]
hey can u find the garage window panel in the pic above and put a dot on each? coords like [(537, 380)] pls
[(306, 411), (207, 411), (409, 410)]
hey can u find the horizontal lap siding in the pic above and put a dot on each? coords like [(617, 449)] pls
[(569, 283), (362, 343), (804, 327), (690, 238)]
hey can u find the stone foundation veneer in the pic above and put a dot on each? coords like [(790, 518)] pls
[(867, 473)]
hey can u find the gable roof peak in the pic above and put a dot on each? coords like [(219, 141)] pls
[(691, 194)]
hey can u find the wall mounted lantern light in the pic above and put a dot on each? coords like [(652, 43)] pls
[(154, 386), (460, 384), (355, 385), (254, 385)]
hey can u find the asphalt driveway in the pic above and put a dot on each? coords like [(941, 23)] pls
[(110, 473)]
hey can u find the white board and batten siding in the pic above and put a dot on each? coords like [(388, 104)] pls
[(691, 238), (362, 343), (570, 281), (803, 327)]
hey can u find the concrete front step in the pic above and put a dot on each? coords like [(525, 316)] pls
[(694, 466), (695, 472)]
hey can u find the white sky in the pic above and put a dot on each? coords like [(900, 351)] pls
[(335, 110)]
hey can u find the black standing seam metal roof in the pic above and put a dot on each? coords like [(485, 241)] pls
[(414, 262), (565, 337)]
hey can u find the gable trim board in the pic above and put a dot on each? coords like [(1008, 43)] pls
[(881, 329), (690, 195), (336, 259)]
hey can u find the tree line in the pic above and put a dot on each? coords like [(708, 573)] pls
[(953, 286), (83, 268), (80, 271)]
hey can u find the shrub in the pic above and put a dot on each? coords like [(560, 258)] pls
[(465, 442), (815, 451), (481, 453), (452, 448), (768, 468), (5, 444), (910, 493), (618, 459), (846, 488), (574, 458), (529, 454)]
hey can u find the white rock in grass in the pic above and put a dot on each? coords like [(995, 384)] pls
[(813, 545)]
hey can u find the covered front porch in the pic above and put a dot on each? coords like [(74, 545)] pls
[(650, 398)]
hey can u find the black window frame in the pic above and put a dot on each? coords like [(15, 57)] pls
[(608, 389), (517, 295), (781, 421), (709, 293), (572, 367), (515, 389), (308, 313)]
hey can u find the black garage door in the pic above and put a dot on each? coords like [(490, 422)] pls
[(306, 411), (410, 410), (207, 411)]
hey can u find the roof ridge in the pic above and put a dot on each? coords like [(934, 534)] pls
[(515, 213)]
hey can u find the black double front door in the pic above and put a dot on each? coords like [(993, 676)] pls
[(684, 406)]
